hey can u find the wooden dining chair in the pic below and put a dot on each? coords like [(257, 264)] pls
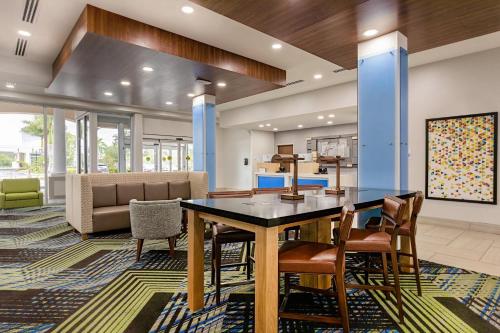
[(224, 234), (295, 229), (407, 229), (318, 258), (368, 242)]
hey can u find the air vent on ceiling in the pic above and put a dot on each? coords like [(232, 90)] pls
[(294, 82), (29, 12), (339, 70), (21, 47)]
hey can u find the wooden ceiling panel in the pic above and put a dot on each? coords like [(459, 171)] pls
[(105, 48), (331, 29)]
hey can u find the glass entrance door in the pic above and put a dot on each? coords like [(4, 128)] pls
[(167, 155), (150, 156)]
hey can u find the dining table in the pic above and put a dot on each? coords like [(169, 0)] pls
[(267, 215)]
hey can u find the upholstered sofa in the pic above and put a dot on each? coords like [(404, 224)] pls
[(100, 202), (23, 192)]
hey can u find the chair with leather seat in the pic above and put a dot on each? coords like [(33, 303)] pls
[(224, 234), (318, 258), (407, 229), (369, 241)]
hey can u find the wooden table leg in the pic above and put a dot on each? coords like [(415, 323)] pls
[(195, 261), (266, 280), (320, 232), (405, 241)]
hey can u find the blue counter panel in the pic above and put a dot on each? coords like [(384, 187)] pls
[(270, 182), (313, 181)]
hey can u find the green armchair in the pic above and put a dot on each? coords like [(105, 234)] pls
[(17, 193)]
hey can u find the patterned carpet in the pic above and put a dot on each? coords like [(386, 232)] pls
[(50, 281)]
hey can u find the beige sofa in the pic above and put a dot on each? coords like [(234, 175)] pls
[(99, 202)]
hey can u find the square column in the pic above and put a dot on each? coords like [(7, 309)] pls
[(204, 131), (383, 112)]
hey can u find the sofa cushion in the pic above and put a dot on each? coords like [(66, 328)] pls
[(21, 196), (128, 191), (110, 218), (104, 195), (155, 191), (179, 189), (20, 185)]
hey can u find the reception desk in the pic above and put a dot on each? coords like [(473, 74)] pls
[(348, 177)]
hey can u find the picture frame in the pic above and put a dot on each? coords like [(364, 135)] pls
[(461, 158)]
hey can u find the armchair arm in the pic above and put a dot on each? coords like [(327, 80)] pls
[(2, 200)]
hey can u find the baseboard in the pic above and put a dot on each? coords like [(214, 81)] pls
[(473, 226)]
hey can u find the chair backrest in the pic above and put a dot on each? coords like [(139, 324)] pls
[(393, 210), (306, 187), (230, 194), (158, 219), (270, 190), (346, 219), (416, 208)]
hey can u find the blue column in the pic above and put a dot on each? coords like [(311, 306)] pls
[(204, 129), (383, 112)]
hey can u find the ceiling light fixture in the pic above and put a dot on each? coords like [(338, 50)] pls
[(331, 116), (321, 117), (268, 125), (24, 33), (370, 32), (10, 85), (275, 129), (125, 83), (276, 46), (108, 93), (147, 69), (317, 76), (300, 126), (221, 84), (190, 95), (168, 103), (187, 9), (261, 125), (329, 122)]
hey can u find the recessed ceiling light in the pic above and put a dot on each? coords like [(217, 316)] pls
[(275, 129), (321, 117), (125, 83), (329, 122), (190, 95), (370, 32), (10, 85), (268, 125), (108, 93), (24, 33), (331, 116), (147, 69), (168, 103), (221, 84), (317, 76), (187, 9), (261, 125), (300, 126), (276, 46)]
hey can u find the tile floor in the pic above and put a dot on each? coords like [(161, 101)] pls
[(473, 250)]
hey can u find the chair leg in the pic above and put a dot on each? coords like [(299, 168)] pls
[(342, 301), (287, 284), (287, 236), (397, 287), (212, 276), (218, 259), (386, 274), (139, 249), (85, 237), (249, 261), (416, 264), (171, 245)]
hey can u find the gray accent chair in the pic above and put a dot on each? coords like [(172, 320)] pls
[(160, 219)]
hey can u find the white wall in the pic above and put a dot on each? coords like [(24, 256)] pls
[(299, 137), (459, 86), (261, 142), (233, 146), (153, 127)]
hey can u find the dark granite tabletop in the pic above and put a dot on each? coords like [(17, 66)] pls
[(269, 210)]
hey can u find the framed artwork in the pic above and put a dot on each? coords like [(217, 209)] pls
[(461, 158)]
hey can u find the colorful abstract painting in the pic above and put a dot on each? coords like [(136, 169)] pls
[(461, 158)]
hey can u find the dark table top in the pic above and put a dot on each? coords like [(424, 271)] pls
[(269, 210)]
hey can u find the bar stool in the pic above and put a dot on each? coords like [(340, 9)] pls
[(295, 229), (224, 234), (407, 229), (318, 258), (379, 241)]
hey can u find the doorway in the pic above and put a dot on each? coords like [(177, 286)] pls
[(167, 155)]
